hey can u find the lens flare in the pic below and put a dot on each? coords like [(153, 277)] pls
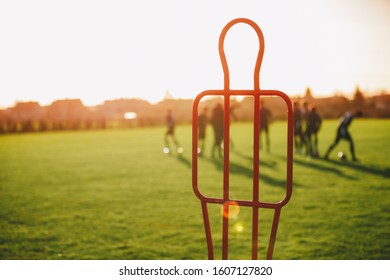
[(166, 150), (180, 150), (238, 227), (230, 210)]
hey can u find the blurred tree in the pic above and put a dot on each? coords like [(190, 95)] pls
[(308, 95), (358, 97)]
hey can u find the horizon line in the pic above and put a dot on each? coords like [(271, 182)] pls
[(302, 95)]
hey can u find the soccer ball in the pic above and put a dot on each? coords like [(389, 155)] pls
[(342, 156)]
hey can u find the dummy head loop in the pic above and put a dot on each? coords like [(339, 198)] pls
[(260, 53)]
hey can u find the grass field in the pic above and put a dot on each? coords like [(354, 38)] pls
[(115, 195)]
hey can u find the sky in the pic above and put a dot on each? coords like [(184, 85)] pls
[(100, 50)]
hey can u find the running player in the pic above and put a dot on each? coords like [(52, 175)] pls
[(171, 123), (342, 132)]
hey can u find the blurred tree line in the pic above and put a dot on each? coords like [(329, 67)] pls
[(71, 114)]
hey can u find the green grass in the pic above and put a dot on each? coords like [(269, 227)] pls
[(115, 195)]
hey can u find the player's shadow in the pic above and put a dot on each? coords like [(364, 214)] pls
[(184, 160), (312, 164), (359, 167), (235, 168), (318, 164), (271, 164)]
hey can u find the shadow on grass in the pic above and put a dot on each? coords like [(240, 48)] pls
[(360, 167), (248, 172), (263, 163), (184, 160), (181, 159), (318, 163), (312, 164)]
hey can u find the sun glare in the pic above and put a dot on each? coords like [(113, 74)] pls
[(130, 115), (329, 45)]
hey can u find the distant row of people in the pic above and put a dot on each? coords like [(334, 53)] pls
[(307, 123), (217, 121)]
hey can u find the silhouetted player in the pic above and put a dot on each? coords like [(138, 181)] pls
[(233, 117), (171, 122), (202, 124), (298, 133), (265, 118), (305, 120), (217, 123), (313, 126), (342, 132)]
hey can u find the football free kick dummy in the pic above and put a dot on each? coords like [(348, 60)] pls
[(256, 202)]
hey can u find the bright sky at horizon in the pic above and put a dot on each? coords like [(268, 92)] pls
[(100, 50)]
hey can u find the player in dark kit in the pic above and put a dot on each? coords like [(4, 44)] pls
[(170, 120), (265, 119), (313, 126), (202, 124), (217, 122), (342, 132), (305, 120), (298, 133)]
